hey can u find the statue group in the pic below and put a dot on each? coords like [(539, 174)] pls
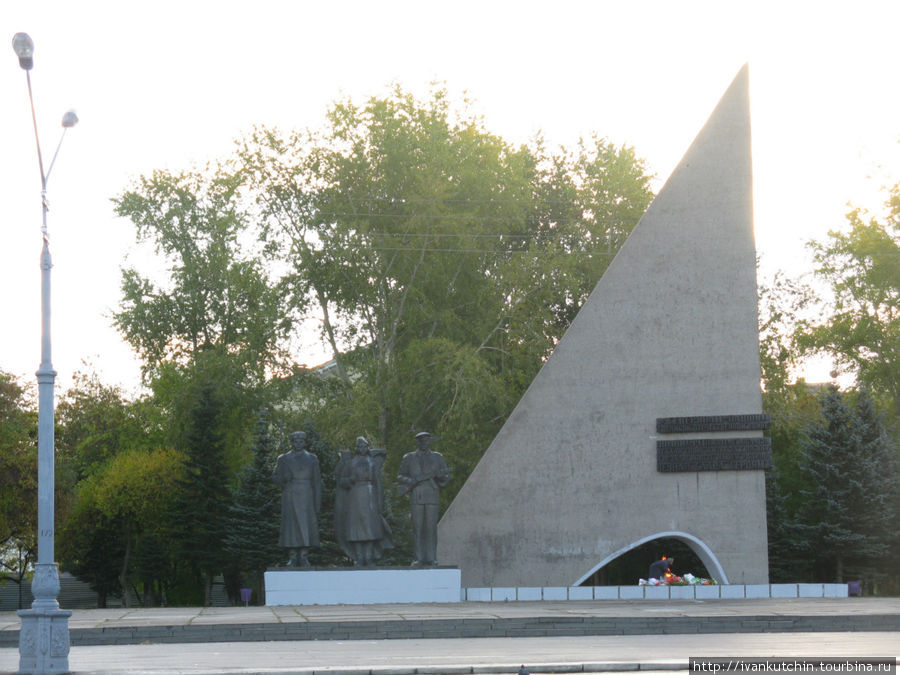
[(360, 527)]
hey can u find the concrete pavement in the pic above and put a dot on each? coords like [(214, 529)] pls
[(470, 620), (569, 636), (587, 654)]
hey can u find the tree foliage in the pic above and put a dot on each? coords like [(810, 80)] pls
[(97, 421), (442, 263), (18, 480), (117, 507), (861, 266), (216, 294), (91, 546), (848, 516), (858, 326), (251, 542), (199, 511)]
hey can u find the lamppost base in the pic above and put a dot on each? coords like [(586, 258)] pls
[(44, 635), (44, 641)]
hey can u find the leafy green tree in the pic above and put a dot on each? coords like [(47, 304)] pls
[(90, 546), (783, 303), (127, 500), (96, 422), (216, 295), (442, 263), (18, 481), (177, 387), (850, 463), (787, 561), (861, 266), (794, 408), (216, 318)]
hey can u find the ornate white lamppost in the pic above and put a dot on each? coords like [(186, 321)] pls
[(44, 635)]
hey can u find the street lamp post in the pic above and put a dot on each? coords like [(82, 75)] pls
[(44, 636)]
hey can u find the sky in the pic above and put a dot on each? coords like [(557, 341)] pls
[(170, 85)]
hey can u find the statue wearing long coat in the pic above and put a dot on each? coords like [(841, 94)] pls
[(297, 474)]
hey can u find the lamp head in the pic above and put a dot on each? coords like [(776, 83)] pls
[(24, 48), (70, 119)]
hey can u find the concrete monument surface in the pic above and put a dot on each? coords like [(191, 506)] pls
[(362, 586), (646, 420)]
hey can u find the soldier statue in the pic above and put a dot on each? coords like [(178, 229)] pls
[(423, 473), (297, 474)]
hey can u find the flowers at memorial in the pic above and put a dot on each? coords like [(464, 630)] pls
[(670, 579)]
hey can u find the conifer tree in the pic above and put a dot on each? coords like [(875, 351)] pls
[(786, 564), (880, 516), (200, 509), (252, 540), (843, 519)]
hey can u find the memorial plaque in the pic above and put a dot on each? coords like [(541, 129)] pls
[(714, 454), (675, 425)]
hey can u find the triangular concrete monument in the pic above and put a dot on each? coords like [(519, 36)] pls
[(646, 420)]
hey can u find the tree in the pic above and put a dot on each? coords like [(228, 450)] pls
[(199, 509), (861, 266), (251, 544), (850, 465), (217, 294), (793, 408), (329, 552), (90, 545), (18, 481), (443, 263), (116, 508), (96, 422), (216, 318), (880, 519), (177, 388)]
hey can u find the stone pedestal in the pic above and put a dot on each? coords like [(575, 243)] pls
[(362, 586), (44, 635)]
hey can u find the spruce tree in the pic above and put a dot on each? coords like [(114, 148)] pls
[(879, 518), (786, 563), (254, 516), (200, 509), (841, 523)]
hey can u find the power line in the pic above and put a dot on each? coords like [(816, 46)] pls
[(490, 251)]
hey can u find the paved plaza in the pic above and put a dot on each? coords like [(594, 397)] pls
[(564, 636)]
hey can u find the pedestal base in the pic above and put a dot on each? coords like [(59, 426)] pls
[(44, 640), (362, 586)]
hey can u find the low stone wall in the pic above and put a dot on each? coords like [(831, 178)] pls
[(714, 592)]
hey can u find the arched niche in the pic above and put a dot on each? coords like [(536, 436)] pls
[(696, 545)]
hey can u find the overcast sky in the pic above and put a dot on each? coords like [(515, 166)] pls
[(167, 84)]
